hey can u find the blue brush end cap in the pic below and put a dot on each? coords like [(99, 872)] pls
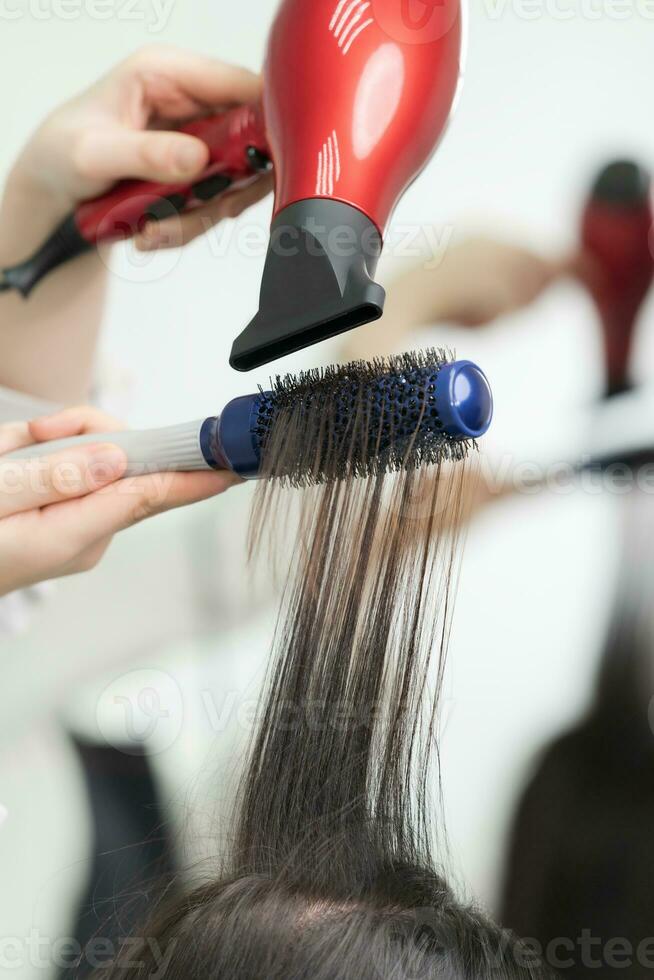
[(464, 400), (236, 445)]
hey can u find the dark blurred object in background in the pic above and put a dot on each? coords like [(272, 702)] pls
[(132, 859), (580, 873)]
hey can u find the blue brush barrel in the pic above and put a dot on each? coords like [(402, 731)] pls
[(447, 402)]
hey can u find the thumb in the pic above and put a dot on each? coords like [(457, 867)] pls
[(166, 157)]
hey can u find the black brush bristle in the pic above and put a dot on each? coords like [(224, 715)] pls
[(356, 420)]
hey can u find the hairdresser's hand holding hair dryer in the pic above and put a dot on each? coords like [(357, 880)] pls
[(57, 515)]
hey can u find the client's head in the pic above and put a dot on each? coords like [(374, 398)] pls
[(330, 874), (254, 928)]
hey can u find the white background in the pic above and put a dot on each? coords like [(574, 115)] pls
[(549, 94)]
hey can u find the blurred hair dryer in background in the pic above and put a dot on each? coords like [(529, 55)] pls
[(618, 263), (356, 96)]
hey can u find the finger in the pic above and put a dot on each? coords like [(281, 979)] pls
[(175, 232), (29, 484), (85, 560), (77, 421), (33, 551), (205, 80), (14, 435), (128, 502), (165, 157)]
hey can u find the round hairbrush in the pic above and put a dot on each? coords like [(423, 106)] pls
[(352, 420)]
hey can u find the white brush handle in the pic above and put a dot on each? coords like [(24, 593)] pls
[(175, 448)]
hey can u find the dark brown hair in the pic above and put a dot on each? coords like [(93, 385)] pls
[(331, 874)]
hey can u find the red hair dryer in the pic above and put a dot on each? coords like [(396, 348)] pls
[(356, 96), (618, 261)]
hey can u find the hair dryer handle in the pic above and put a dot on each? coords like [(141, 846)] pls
[(238, 152)]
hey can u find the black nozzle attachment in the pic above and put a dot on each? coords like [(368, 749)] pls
[(317, 282), (64, 243), (623, 183)]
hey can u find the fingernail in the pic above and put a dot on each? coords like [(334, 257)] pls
[(149, 237), (187, 158)]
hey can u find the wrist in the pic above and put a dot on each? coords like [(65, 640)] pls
[(29, 211)]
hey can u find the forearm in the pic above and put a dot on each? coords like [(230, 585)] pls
[(476, 282), (47, 343), (412, 300)]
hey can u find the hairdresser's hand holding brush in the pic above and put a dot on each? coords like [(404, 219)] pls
[(122, 127), (59, 513)]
